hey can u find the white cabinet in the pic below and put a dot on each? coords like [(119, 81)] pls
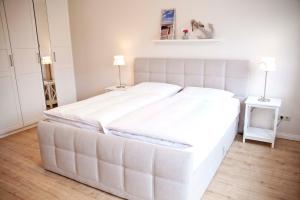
[(22, 93), (65, 85), (22, 33), (261, 134), (10, 114), (21, 24), (58, 19), (22, 99)]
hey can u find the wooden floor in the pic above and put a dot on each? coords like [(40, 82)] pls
[(249, 171)]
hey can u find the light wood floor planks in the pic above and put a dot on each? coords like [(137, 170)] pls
[(249, 171)]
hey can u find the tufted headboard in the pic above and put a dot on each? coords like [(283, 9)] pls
[(231, 75)]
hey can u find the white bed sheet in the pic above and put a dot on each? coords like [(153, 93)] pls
[(74, 123), (187, 119), (96, 112)]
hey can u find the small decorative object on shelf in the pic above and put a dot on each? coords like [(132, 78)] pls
[(185, 33), (201, 31), (167, 26)]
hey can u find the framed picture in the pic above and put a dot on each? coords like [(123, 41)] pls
[(167, 26)]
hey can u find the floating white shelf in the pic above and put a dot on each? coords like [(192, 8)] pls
[(191, 41)]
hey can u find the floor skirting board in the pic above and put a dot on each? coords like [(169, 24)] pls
[(288, 136), (18, 130)]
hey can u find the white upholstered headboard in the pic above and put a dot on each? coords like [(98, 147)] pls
[(231, 75)]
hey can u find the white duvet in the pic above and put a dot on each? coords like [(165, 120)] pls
[(96, 112), (194, 116)]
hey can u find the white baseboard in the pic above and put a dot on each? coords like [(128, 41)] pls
[(18, 130), (288, 136)]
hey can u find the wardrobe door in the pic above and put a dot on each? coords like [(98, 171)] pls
[(59, 28), (10, 115), (22, 33)]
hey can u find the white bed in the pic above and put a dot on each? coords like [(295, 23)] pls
[(181, 120), (96, 112), (136, 169)]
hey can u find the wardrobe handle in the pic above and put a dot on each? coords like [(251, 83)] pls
[(54, 56), (11, 60)]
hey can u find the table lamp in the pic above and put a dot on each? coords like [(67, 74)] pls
[(267, 64), (46, 60), (119, 61)]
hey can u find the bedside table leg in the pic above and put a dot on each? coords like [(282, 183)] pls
[(246, 122), (275, 126)]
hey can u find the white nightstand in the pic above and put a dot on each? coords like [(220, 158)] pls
[(260, 134), (116, 88)]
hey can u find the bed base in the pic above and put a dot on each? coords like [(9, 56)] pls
[(127, 168)]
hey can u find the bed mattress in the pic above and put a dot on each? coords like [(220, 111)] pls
[(187, 119), (96, 112)]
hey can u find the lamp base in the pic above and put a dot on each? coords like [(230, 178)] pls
[(263, 99), (121, 86)]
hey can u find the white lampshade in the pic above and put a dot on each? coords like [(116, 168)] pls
[(268, 64), (119, 60), (46, 60)]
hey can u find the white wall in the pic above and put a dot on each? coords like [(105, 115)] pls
[(249, 29)]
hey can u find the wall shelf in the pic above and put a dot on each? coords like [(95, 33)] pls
[(191, 41)]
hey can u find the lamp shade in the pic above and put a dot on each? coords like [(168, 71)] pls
[(119, 60), (268, 64), (46, 60)]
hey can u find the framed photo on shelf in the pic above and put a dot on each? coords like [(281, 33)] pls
[(167, 25)]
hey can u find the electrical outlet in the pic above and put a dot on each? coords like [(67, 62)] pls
[(285, 118)]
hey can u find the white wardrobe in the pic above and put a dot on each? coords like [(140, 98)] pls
[(22, 99), (60, 39)]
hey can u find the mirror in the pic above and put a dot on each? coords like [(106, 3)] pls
[(42, 26)]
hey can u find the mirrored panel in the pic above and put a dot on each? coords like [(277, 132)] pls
[(40, 9)]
